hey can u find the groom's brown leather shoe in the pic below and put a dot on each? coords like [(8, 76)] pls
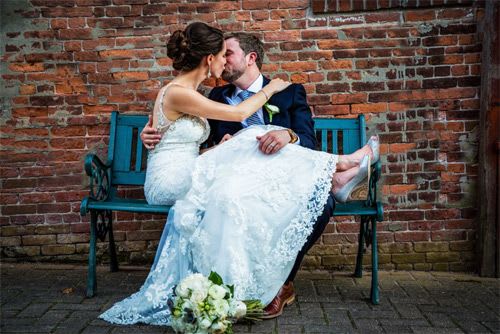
[(285, 296)]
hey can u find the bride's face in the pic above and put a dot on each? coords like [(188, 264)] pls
[(219, 62)]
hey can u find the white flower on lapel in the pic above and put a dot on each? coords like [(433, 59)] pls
[(271, 111)]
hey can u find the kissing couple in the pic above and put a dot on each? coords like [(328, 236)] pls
[(250, 207)]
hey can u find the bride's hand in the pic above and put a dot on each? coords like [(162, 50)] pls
[(226, 137), (277, 85)]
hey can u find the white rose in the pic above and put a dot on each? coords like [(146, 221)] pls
[(216, 292), (197, 296), (197, 282), (182, 290), (200, 286), (221, 307), (237, 308), (192, 278), (205, 323)]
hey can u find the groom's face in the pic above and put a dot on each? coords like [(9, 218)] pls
[(236, 61)]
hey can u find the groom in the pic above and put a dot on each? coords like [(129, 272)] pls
[(244, 58)]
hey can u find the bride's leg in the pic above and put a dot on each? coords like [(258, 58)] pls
[(340, 179), (348, 161)]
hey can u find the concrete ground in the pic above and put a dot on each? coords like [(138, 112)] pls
[(40, 298)]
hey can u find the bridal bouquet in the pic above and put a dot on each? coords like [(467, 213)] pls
[(202, 305)]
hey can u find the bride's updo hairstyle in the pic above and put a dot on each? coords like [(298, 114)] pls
[(187, 48)]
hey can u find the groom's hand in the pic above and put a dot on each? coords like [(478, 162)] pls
[(273, 141), (149, 136)]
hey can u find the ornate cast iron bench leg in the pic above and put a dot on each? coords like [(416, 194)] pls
[(91, 273), (358, 272), (370, 235), (374, 293), (101, 223), (113, 264)]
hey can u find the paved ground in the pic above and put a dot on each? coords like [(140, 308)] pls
[(50, 299)]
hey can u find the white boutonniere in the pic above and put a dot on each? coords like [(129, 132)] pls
[(271, 110)]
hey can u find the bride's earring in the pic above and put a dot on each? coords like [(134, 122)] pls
[(209, 74)]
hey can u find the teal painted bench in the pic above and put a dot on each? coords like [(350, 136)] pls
[(126, 164)]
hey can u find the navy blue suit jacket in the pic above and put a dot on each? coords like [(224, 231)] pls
[(294, 114)]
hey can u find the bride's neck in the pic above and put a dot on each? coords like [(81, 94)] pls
[(191, 79)]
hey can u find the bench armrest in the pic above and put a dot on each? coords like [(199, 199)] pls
[(100, 177)]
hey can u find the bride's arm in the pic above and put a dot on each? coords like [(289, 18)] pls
[(188, 101)]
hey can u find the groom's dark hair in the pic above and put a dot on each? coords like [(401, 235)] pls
[(249, 43)]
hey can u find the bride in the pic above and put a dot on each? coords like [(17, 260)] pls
[(239, 212)]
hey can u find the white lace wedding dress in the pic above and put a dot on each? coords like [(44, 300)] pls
[(239, 212)]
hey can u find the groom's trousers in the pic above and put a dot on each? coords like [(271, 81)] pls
[(318, 229)]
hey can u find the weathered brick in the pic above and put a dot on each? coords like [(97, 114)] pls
[(382, 17), (442, 257), (332, 110), (57, 249), (21, 251), (338, 260), (299, 66), (448, 235), (36, 198), (51, 229), (29, 240), (23, 67), (420, 15), (67, 12), (442, 214), (431, 247), (54, 207), (404, 247), (10, 241), (18, 209), (408, 258), (349, 98), (369, 108), (412, 236), (462, 245), (72, 238)]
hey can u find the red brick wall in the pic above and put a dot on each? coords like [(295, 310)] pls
[(413, 71)]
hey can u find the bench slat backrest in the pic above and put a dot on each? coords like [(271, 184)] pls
[(129, 155), (340, 135), (126, 149)]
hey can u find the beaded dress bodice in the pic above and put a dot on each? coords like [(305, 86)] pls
[(168, 175)]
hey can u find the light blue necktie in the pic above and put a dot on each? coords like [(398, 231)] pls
[(254, 119)]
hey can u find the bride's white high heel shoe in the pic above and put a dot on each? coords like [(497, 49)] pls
[(374, 144), (363, 174)]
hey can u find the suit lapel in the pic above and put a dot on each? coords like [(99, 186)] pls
[(273, 101), (264, 110), (227, 92)]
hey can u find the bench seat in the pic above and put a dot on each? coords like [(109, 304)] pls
[(125, 204)]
